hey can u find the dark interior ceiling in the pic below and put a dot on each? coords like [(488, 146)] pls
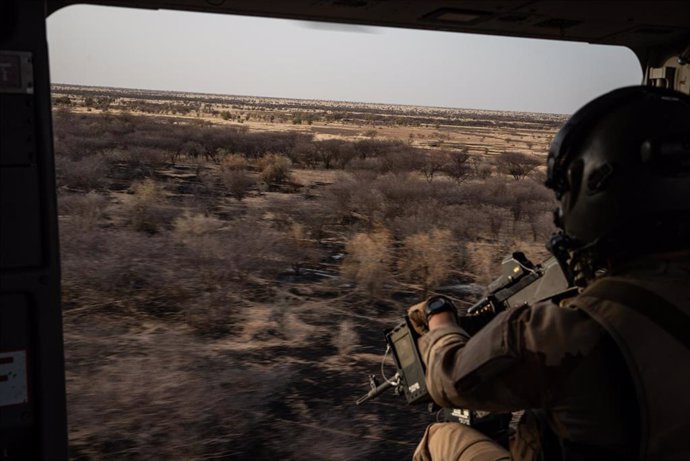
[(639, 25)]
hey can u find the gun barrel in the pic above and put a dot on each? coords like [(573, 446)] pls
[(378, 390)]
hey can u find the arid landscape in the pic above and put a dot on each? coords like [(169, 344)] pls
[(229, 263)]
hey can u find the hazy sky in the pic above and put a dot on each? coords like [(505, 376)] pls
[(207, 53)]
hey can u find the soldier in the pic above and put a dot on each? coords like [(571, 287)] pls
[(606, 374)]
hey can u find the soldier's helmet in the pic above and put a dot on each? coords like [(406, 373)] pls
[(620, 167)]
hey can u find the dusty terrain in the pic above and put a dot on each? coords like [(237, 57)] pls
[(230, 263)]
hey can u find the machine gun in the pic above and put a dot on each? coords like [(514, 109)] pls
[(521, 282)]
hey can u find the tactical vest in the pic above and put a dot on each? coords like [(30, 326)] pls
[(650, 322)]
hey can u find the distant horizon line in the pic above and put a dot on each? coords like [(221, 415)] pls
[(304, 99)]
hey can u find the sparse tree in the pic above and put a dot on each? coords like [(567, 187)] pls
[(458, 166), (368, 261), (304, 153), (517, 164), (334, 151), (426, 258), (326, 152), (434, 162)]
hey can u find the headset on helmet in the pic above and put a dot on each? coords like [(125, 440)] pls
[(620, 167)]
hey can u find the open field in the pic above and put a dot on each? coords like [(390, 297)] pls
[(481, 132), (230, 263)]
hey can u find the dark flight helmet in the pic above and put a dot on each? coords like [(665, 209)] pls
[(620, 167)]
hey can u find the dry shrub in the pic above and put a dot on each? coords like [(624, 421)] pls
[(164, 395), (346, 339), (137, 156), (541, 225), (86, 173), (77, 135), (496, 218), (368, 164), (405, 203), (237, 182), (368, 261), (482, 169), (404, 160), (339, 196), (193, 149), (305, 251), (298, 231), (368, 148), (498, 202), (379, 199), (193, 271), (538, 175), (146, 209), (202, 235), (124, 267), (275, 169), (234, 162), (312, 217), (356, 195), (240, 249), (528, 196), (484, 259), (467, 221), (214, 313), (422, 216), (402, 191), (426, 258), (252, 248), (67, 147), (367, 204), (190, 226), (209, 183), (84, 210), (493, 191)]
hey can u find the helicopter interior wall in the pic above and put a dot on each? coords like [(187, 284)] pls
[(32, 398)]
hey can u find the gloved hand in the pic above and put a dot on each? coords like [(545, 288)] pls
[(417, 315)]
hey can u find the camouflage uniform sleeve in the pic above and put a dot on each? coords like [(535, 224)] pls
[(517, 361)]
